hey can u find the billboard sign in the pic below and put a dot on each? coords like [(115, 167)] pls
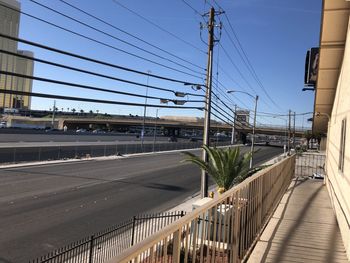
[(311, 66)]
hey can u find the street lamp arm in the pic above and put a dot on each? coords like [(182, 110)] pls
[(239, 91)]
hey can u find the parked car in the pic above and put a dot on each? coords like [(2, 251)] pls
[(172, 139), (3, 124), (80, 130)]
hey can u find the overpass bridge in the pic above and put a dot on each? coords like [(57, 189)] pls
[(170, 126)]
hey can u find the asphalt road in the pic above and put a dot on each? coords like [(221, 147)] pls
[(46, 207)]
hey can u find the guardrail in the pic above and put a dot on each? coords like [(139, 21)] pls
[(224, 229)]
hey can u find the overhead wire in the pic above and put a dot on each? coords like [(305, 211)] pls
[(99, 42), (89, 87), (217, 77), (96, 60), (129, 34), (218, 65), (52, 96), (95, 73), (158, 26), (112, 36), (246, 61)]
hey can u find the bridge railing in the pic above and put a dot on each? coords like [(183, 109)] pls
[(281, 127)]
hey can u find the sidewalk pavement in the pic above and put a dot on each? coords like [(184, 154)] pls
[(302, 229)]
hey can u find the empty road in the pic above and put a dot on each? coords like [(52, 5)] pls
[(46, 207)]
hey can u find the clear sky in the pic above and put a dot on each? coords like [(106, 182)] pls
[(275, 35)]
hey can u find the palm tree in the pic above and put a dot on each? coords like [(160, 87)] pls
[(226, 166)]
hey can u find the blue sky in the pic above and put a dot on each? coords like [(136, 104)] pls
[(275, 35)]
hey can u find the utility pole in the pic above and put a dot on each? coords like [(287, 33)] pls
[(206, 141), (253, 135), (289, 124), (294, 131), (53, 115), (233, 136)]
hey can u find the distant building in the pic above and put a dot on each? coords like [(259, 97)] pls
[(9, 25), (242, 116)]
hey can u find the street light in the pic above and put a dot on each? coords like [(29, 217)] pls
[(253, 136), (144, 112), (155, 130), (285, 134)]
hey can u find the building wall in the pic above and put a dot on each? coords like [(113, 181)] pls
[(25, 67), (9, 25), (338, 182)]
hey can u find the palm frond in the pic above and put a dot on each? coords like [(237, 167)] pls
[(227, 166)]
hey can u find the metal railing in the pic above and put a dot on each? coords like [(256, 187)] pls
[(104, 245), (222, 230), (310, 164), (77, 151)]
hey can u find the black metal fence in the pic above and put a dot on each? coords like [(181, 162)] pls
[(45, 153), (102, 246)]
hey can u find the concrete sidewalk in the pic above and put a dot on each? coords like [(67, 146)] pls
[(302, 229)]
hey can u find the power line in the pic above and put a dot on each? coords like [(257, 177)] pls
[(229, 108), (71, 84), (246, 60), (251, 69), (223, 103), (51, 96), (96, 60), (237, 69), (241, 74), (194, 10), (129, 34), (99, 42), (94, 73), (157, 26), (238, 123), (224, 121), (114, 37), (222, 92)]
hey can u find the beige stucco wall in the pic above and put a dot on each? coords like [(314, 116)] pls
[(338, 182)]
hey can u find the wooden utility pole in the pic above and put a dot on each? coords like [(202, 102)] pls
[(206, 139)]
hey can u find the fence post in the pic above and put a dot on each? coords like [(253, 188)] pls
[(176, 246), (14, 155), (91, 248), (236, 228), (39, 154), (133, 230)]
